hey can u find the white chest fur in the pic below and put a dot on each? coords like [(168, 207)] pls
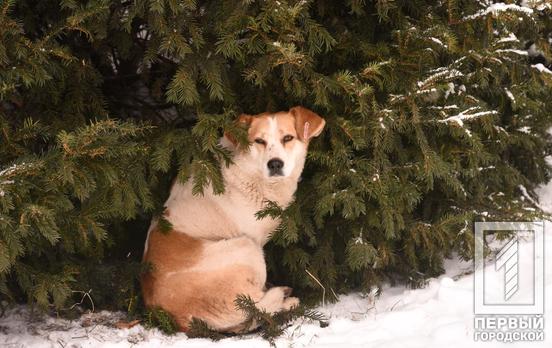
[(232, 213)]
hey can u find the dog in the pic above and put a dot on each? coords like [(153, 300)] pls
[(214, 251)]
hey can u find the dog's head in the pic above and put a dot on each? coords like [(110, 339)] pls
[(278, 141)]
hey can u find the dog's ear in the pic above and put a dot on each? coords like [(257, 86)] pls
[(308, 124), (244, 120)]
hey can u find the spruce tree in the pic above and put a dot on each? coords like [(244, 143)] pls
[(436, 115)]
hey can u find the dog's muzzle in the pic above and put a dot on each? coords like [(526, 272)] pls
[(275, 166)]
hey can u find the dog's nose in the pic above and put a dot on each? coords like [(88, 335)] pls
[(275, 166)]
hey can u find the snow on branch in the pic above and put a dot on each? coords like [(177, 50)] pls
[(439, 42), (440, 74), (446, 107), (540, 67), (526, 195), (11, 171), (495, 9), (539, 5), (467, 116), (510, 38), (511, 50), (5, 175)]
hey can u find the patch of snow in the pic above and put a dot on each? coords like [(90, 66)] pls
[(527, 196), (526, 130), (142, 32), (450, 90), (395, 97), (382, 125), (359, 239), (6, 173), (464, 116), (510, 95), (458, 61), (484, 168), (439, 74), (511, 38), (446, 107), (540, 67), (511, 50), (437, 41), (496, 8), (539, 5), (427, 91)]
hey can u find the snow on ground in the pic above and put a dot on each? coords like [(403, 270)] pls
[(439, 315)]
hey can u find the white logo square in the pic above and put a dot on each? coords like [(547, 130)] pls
[(513, 281)]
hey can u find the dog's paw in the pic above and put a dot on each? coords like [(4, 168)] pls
[(290, 303)]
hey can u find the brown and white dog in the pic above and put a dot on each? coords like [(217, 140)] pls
[(215, 250)]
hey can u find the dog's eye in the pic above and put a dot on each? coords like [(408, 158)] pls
[(260, 141), (287, 138)]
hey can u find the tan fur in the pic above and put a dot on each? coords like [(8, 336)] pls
[(214, 251)]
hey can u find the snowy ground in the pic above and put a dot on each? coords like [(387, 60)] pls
[(439, 315)]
